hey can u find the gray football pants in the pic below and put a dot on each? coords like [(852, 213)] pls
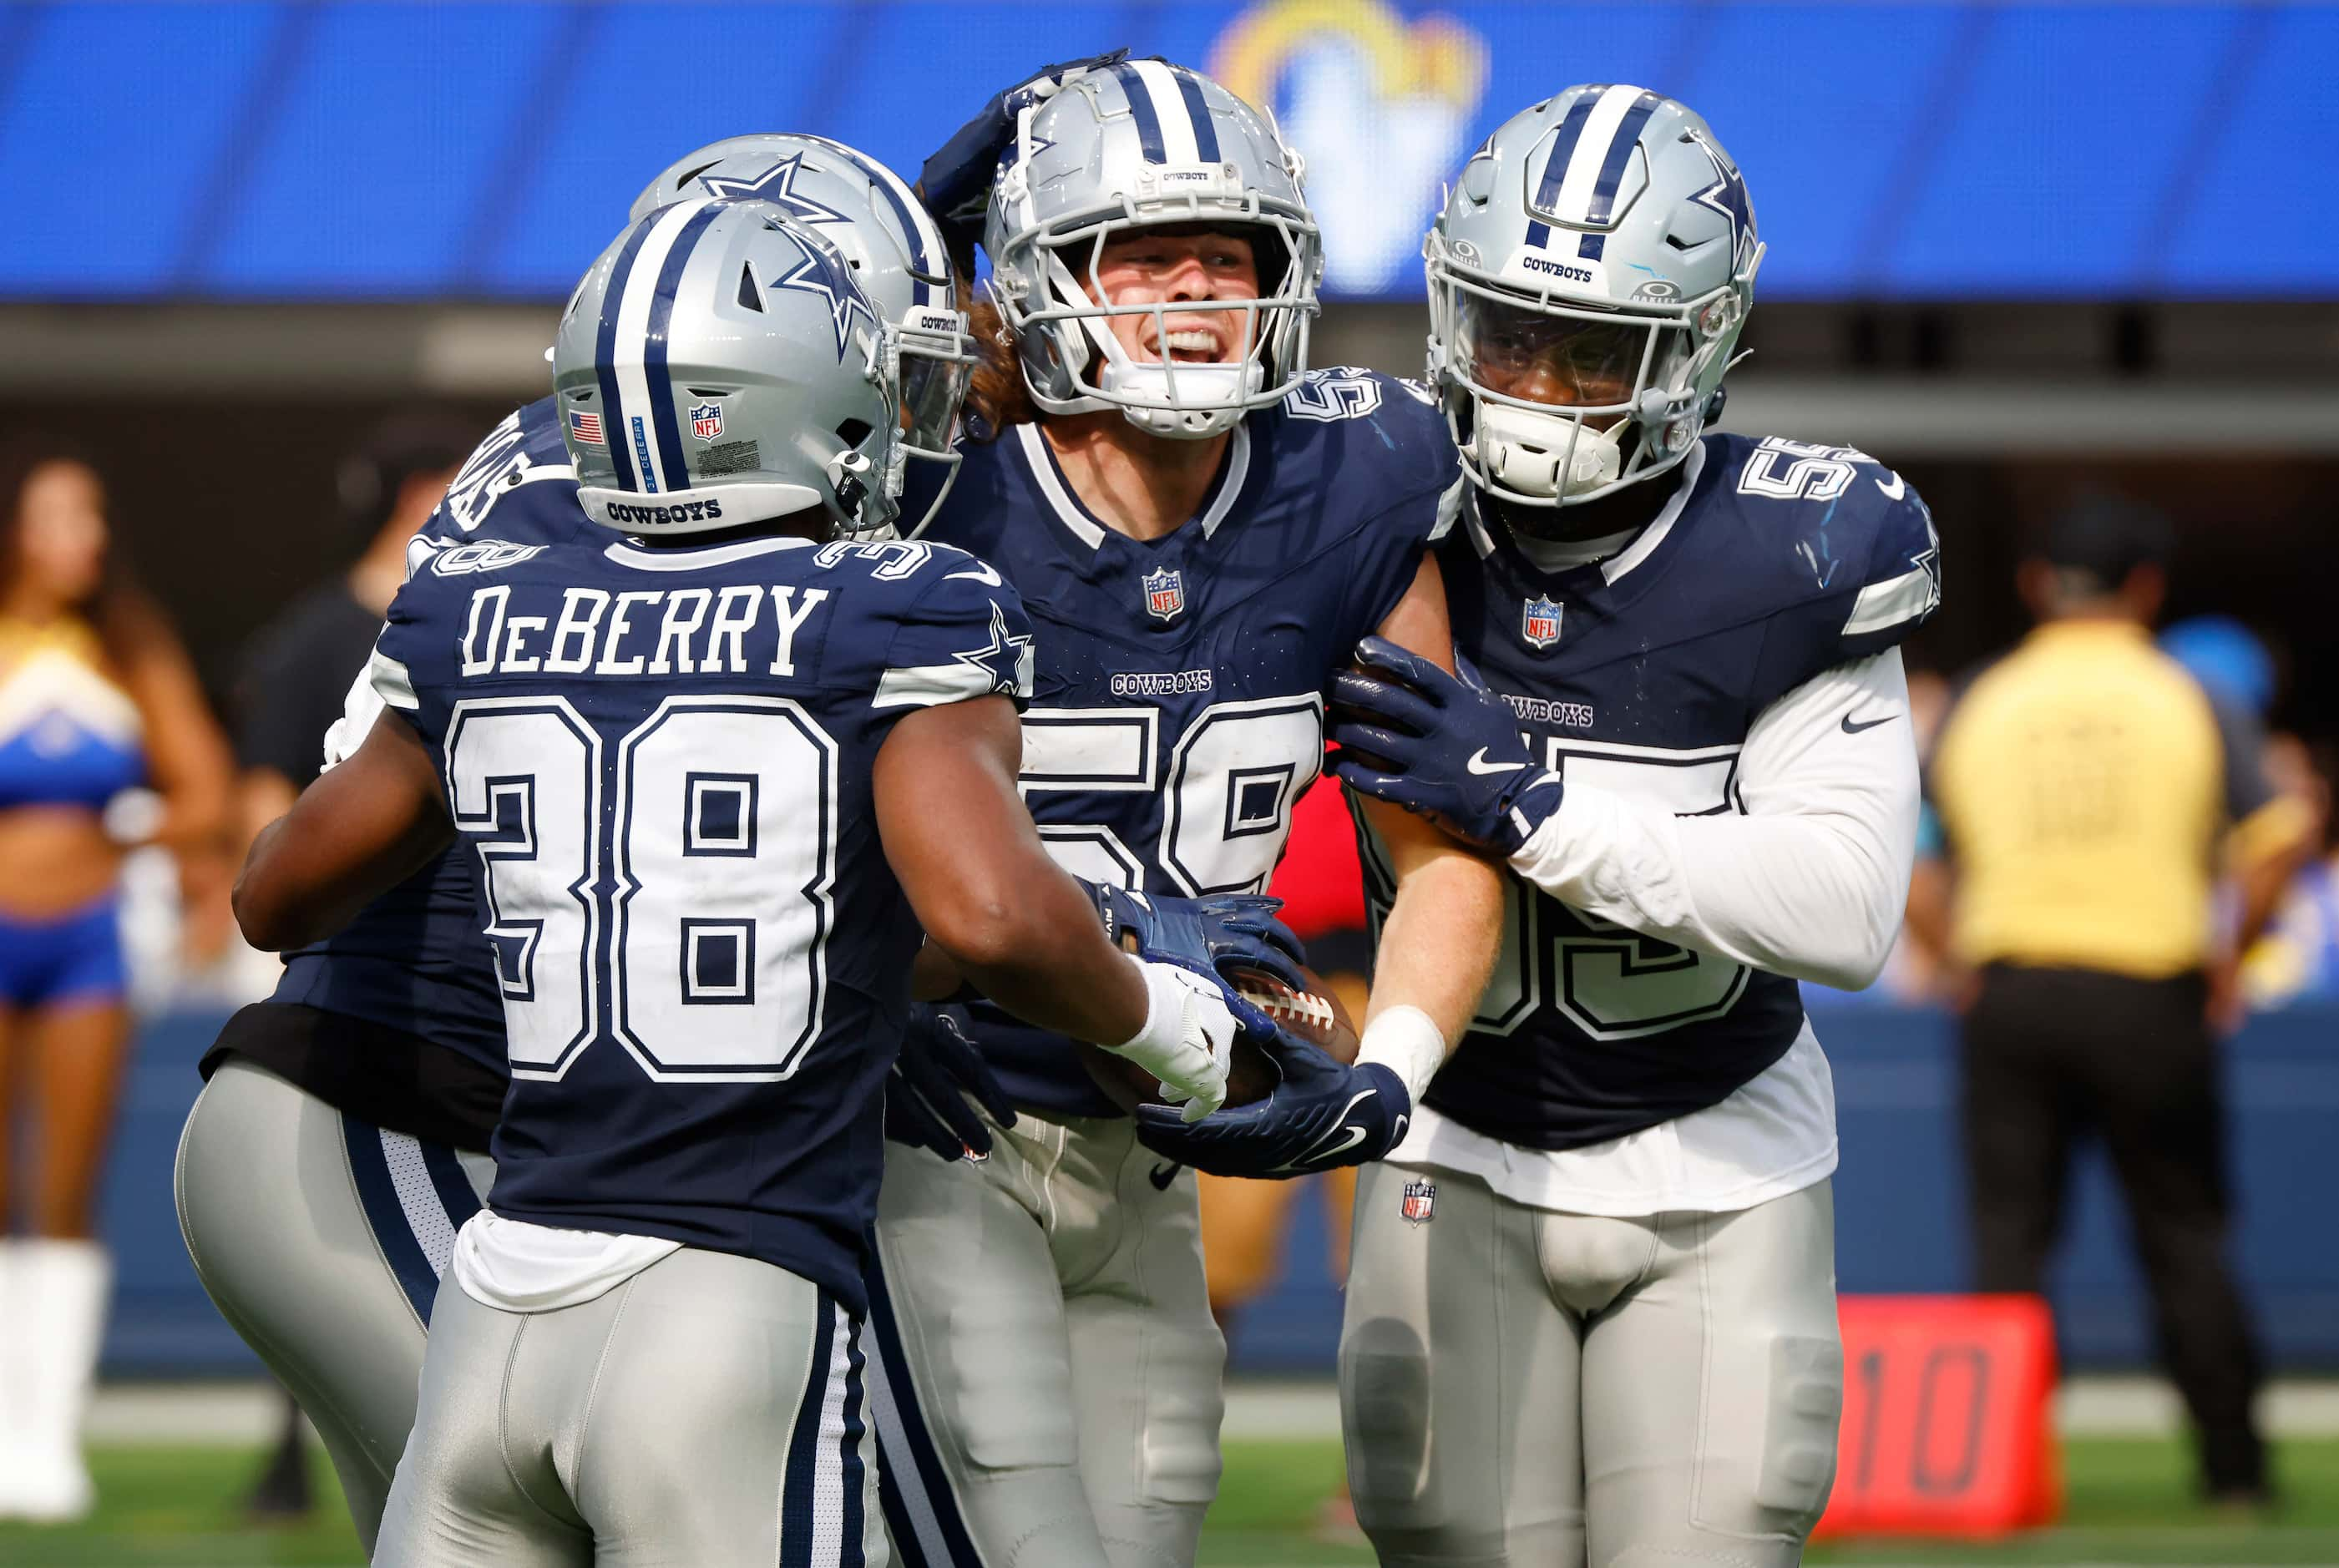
[(320, 1240), (706, 1412), (1543, 1390), (1047, 1381)]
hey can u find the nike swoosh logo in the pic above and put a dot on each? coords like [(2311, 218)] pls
[(1161, 1176), (1313, 1159), (1479, 764), (1850, 728), (1894, 490)]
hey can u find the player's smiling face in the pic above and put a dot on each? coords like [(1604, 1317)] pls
[(1179, 264)]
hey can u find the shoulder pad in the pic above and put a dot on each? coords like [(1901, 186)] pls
[(917, 562), (1840, 546), (1388, 444), (962, 633), (518, 484)]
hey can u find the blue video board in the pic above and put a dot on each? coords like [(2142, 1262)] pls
[(402, 151)]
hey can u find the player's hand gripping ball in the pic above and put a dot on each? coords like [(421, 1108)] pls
[(1314, 1014)]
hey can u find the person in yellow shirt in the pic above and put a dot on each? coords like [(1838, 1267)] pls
[(2092, 796)]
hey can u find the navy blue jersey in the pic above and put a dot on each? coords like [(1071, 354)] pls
[(1179, 694), (412, 960), (1774, 561), (662, 759)]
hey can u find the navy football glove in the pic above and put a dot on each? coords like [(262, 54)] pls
[(1322, 1115), (925, 1094), (1210, 934), (1441, 747), (956, 180)]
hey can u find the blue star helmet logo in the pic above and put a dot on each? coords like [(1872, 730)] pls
[(777, 185), (1727, 195), (823, 273), (1004, 660)]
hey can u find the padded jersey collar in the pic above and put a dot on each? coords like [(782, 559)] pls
[(1083, 525)]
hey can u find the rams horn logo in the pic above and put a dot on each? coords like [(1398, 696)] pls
[(1381, 106)]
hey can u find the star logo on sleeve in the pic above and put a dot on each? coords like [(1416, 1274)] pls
[(777, 185), (823, 271), (1929, 560), (1006, 659)]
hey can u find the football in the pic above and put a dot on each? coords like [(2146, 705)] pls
[(1315, 1015)]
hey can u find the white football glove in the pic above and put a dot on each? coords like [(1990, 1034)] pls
[(1187, 1040)]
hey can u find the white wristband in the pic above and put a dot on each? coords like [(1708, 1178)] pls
[(1165, 1010), (1404, 1041)]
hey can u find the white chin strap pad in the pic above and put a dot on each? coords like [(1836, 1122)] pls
[(1524, 452), (1142, 393)]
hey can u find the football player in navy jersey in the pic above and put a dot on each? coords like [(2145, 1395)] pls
[(1200, 527), (719, 778), (341, 1140), (1591, 1312)]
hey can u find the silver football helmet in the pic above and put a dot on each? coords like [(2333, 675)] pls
[(1121, 147), (895, 252), (1588, 279), (721, 365)]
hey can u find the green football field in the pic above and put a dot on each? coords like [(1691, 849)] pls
[(2129, 1503)]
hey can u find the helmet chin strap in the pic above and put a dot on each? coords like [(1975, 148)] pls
[(1545, 455), (1149, 406), (1554, 456)]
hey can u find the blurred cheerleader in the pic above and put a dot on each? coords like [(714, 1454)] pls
[(105, 744)]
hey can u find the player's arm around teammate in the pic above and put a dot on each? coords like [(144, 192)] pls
[(1203, 527), (1439, 937)]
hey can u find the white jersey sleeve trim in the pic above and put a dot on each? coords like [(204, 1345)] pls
[(1890, 603), (929, 686), (1809, 879), (390, 682), (1449, 507)]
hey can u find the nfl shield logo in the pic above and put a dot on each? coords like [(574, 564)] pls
[(1420, 1202), (1165, 593), (707, 420), (1540, 623)]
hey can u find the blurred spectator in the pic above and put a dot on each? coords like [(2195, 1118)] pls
[(2297, 959), (105, 743), (297, 670), (2087, 786), (2227, 658)]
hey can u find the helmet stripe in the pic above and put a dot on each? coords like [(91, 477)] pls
[(927, 254), (1197, 109), (1590, 154), (605, 355), (1619, 153), (1554, 168), (1141, 107), (672, 460), (623, 347), (1178, 142)]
